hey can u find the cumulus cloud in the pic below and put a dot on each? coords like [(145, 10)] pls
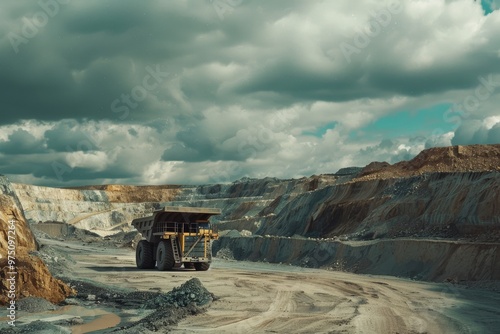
[(393, 151), (478, 132)]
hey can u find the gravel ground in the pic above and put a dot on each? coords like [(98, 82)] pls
[(169, 308), (161, 319), (116, 297), (35, 305), (38, 327), (190, 298)]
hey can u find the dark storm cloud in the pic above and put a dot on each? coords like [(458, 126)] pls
[(196, 144), (86, 61), (90, 54), (21, 167), (179, 152), (67, 137), (62, 173), (21, 142), (378, 72)]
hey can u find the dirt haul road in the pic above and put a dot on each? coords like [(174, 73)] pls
[(262, 297)]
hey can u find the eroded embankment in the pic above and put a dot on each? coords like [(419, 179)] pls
[(433, 260), (22, 274)]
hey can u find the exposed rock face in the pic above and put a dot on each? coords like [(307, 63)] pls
[(114, 207), (438, 204), (10, 209), (32, 275), (99, 206)]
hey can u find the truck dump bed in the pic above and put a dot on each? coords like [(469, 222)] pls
[(170, 214)]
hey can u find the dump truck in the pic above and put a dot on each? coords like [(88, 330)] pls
[(175, 236)]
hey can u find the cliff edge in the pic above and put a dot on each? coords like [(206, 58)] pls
[(32, 277)]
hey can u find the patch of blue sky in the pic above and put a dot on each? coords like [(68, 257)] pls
[(407, 124), (490, 5)]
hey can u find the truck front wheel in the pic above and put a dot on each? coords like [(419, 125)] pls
[(164, 256), (144, 258)]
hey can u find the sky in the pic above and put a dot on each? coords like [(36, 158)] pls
[(210, 91)]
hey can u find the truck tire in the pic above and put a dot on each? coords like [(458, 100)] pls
[(188, 265), (201, 266), (144, 257), (164, 256)]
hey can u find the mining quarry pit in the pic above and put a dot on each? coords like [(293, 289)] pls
[(412, 247), (263, 297)]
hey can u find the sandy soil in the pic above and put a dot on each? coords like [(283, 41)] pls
[(261, 297)]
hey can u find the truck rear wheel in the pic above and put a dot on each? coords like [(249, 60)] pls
[(188, 265), (164, 256), (144, 257), (201, 266)]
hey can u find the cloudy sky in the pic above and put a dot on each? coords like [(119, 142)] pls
[(199, 91)]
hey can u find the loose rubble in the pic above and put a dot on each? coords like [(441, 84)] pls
[(190, 298), (167, 308), (191, 292), (225, 254), (34, 305)]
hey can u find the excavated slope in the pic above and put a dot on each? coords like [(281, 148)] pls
[(115, 206), (32, 275), (431, 205), (436, 217)]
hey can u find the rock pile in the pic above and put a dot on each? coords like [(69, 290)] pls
[(189, 299), (191, 292), (34, 305), (225, 254)]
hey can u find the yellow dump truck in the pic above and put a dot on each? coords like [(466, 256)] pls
[(174, 236)]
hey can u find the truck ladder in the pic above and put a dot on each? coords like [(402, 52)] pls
[(175, 250)]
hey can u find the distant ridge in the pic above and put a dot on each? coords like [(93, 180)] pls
[(472, 158)]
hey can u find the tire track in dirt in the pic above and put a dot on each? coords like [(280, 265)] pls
[(260, 297)]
